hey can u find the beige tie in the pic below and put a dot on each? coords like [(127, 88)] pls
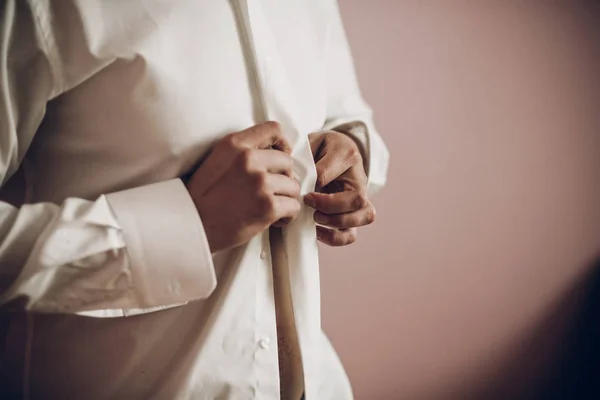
[(291, 374)]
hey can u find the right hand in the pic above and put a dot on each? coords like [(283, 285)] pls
[(245, 185)]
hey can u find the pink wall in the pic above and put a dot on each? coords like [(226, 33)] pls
[(492, 212)]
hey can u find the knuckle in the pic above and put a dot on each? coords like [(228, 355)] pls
[(289, 161), (261, 206), (273, 125), (360, 201), (297, 208), (297, 188), (353, 154), (267, 207), (351, 237), (259, 179), (246, 160), (231, 140), (278, 140), (294, 212), (371, 215), (289, 173)]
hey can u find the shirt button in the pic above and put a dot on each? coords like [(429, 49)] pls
[(263, 254), (264, 343)]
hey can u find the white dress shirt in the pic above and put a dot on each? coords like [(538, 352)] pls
[(104, 104)]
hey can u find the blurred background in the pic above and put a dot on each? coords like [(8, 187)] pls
[(478, 279)]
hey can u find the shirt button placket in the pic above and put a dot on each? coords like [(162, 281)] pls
[(265, 331)]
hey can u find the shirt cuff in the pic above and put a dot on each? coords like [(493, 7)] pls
[(170, 259)]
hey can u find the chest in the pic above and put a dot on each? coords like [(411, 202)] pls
[(164, 97)]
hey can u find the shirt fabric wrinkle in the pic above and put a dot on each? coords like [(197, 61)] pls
[(119, 276)]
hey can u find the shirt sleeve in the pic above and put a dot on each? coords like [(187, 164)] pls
[(347, 112), (137, 249)]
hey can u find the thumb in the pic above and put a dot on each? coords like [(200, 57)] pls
[(330, 167)]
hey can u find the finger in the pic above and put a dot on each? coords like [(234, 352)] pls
[(281, 185), (261, 136), (337, 203), (285, 208), (336, 237), (274, 161), (332, 165), (362, 217)]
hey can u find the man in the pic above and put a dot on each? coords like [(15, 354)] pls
[(164, 243)]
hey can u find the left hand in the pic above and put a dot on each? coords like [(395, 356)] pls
[(340, 196)]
